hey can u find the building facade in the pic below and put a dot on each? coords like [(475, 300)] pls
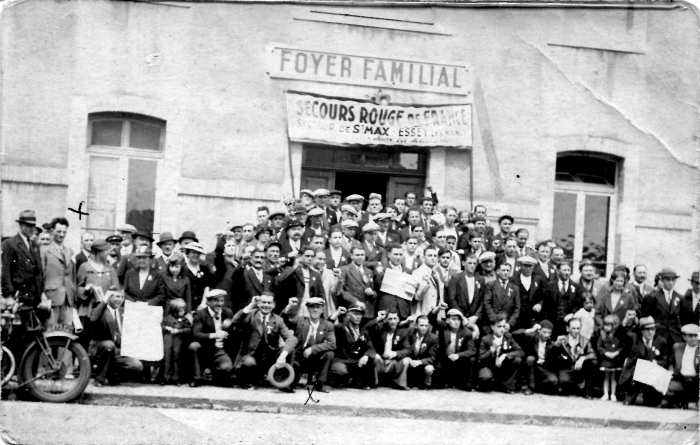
[(579, 122)]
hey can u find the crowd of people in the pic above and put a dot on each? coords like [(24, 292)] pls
[(410, 294)]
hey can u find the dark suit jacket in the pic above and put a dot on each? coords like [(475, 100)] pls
[(465, 343), (80, 259), (391, 238), (126, 263), (540, 273), (160, 265), (668, 319), (203, 325), (246, 286), (290, 283), (688, 313), (458, 296), (251, 328), (678, 349), (558, 304), (177, 289), (566, 357), (309, 234), (324, 339), (604, 307), (509, 347), (152, 292), (331, 217), (499, 299), (529, 298), (354, 288), (349, 349), (634, 344), (428, 349), (104, 326), (405, 232), (373, 257), (530, 346), (344, 259), (22, 271), (287, 247), (378, 331)]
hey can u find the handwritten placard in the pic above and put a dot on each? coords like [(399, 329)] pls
[(399, 284), (653, 375), (141, 334)]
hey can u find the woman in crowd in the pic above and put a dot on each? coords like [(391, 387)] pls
[(201, 279)]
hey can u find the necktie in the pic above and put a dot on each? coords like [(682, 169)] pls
[(668, 298), (504, 284), (258, 273), (115, 313), (311, 338), (265, 324), (561, 286), (355, 334), (216, 316), (362, 272), (451, 345), (419, 340)]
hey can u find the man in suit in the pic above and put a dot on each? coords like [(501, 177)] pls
[(166, 243), (420, 362), (374, 207), (505, 224), (413, 220), (562, 297), (300, 281), (396, 222), (81, 257), (384, 237), (333, 209), (640, 344), (315, 343), (544, 269), (428, 293), (265, 340), (106, 322), (373, 253), (355, 201), (353, 363), (22, 272), (456, 353), (640, 283), (664, 305), (502, 296), (465, 292), (59, 275), (531, 290), (336, 255), (510, 256), (359, 284), (576, 359), (686, 367), (388, 302), (211, 328), (690, 309), (321, 197), (500, 357), (392, 346), (588, 282), (539, 368), (292, 242), (315, 226), (349, 240), (114, 254), (523, 236), (248, 281)]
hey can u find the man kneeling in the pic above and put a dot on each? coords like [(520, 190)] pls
[(421, 360), (539, 369), (500, 358), (354, 355), (315, 342), (261, 332), (106, 322), (211, 327), (392, 347)]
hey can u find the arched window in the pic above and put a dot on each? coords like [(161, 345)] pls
[(125, 152), (584, 207)]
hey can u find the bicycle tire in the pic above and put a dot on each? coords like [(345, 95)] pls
[(7, 373), (30, 364)]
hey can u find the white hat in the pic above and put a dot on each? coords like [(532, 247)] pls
[(370, 227), (349, 223), (321, 192), (316, 212), (355, 197), (194, 246), (487, 256), (350, 209)]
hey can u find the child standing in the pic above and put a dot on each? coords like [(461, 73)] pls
[(175, 328), (175, 284), (610, 355), (587, 316)]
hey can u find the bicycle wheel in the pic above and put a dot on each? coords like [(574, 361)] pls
[(62, 382), (8, 366)]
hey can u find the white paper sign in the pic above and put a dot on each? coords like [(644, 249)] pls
[(399, 284), (142, 337), (653, 375)]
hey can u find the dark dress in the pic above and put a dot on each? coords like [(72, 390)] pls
[(198, 283), (610, 343), (177, 287)]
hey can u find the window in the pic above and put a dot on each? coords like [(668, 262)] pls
[(125, 154), (584, 208)]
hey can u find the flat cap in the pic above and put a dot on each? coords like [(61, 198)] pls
[(546, 324), (321, 192), (350, 209), (336, 192), (349, 223), (357, 306), (316, 212), (457, 312), (691, 329), (487, 256), (299, 208), (212, 293), (381, 216), (370, 227), (315, 301), (277, 213), (355, 197), (527, 259), (375, 196), (126, 228)]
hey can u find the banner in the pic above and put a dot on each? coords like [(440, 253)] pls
[(142, 337), (319, 119), (398, 284)]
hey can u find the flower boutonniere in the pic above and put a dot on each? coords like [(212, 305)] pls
[(200, 274), (510, 291), (362, 337), (269, 329), (505, 346), (396, 339), (459, 343), (535, 285), (656, 351), (478, 285), (150, 278)]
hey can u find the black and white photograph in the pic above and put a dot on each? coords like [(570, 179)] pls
[(334, 222)]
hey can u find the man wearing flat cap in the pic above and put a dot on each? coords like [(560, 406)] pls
[(532, 294), (348, 213), (353, 364), (349, 240), (307, 198), (690, 305), (321, 197), (315, 227), (315, 342), (211, 328), (125, 231), (374, 255), (641, 343), (385, 237), (664, 305), (683, 389), (22, 273), (456, 353), (334, 205)]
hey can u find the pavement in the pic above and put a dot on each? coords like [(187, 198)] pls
[(444, 405)]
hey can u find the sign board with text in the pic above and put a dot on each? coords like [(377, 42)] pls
[(327, 120)]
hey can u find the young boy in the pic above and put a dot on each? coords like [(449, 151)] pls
[(539, 368), (500, 358)]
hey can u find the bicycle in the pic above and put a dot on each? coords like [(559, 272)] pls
[(54, 366)]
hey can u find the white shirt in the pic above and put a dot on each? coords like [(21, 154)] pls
[(688, 362), (389, 339), (545, 268), (563, 285), (295, 244), (526, 281), (259, 274), (219, 343), (312, 332), (126, 250), (572, 341), (336, 255), (614, 299), (26, 241), (115, 314), (382, 236), (669, 295), (142, 278), (541, 349), (471, 285), (696, 298), (511, 261)]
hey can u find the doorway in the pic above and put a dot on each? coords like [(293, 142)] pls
[(361, 183)]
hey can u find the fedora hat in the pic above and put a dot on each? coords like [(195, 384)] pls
[(667, 272), (143, 234), (280, 377), (27, 217), (188, 234), (164, 237)]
